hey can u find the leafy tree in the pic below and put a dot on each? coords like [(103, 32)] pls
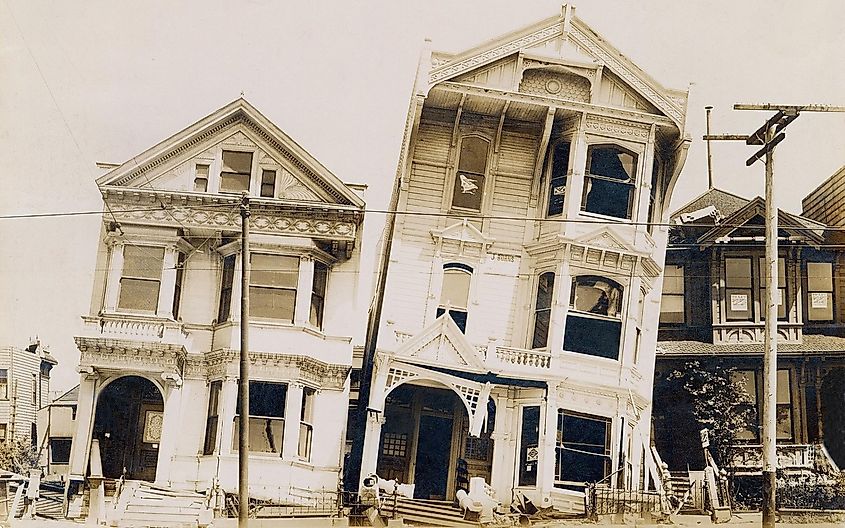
[(18, 456), (719, 404)]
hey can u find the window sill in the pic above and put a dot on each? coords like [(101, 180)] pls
[(599, 216)]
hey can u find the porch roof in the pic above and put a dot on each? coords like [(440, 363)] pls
[(490, 377), (812, 344)]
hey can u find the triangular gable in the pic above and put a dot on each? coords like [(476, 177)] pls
[(605, 238), (239, 124), (751, 214), (463, 234), (442, 344), (564, 37)]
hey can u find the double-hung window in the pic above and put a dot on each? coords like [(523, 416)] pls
[(819, 291), (4, 384), (582, 449), (557, 179), (738, 288), (140, 281), (318, 293), (594, 322), (306, 423), (543, 310), (268, 183), (454, 295), (266, 417), (468, 191), (212, 416), (751, 382), (610, 182), (236, 172), (201, 178), (272, 286), (781, 288), (672, 300)]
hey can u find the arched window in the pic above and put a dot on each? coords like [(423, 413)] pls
[(454, 295), (468, 191), (557, 179), (610, 181), (594, 323), (543, 310)]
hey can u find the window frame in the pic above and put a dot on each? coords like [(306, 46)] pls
[(441, 308), (275, 177), (551, 178), (306, 424), (756, 291), (317, 307), (222, 173), (536, 310), (632, 183), (829, 293), (4, 384), (267, 418), (673, 294), (276, 288), (574, 313), (560, 446), (212, 418), (143, 248), (197, 177), (757, 403), (62, 439), (486, 180)]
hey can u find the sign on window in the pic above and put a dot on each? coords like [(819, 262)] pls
[(818, 300), (739, 302)]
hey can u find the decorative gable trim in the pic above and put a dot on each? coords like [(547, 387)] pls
[(448, 344), (757, 207), (465, 235)]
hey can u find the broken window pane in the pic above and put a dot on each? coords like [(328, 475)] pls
[(468, 189), (609, 182), (557, 181), (596, 295), (583, 449), (543, 310)]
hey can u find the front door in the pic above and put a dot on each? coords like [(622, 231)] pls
[(434, 449)]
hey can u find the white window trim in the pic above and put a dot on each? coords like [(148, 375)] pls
[(636, 148), (253, 169)]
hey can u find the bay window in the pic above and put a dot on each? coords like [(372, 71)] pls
[(609, 181), (266, 417), (272, 286), (781, 288), (140, 280), (594, 322)]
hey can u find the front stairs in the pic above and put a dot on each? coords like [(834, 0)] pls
[(140, 504), (424, 512)]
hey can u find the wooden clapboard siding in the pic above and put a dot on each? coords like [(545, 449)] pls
[(495, 311), (510, 200), (408, 288)]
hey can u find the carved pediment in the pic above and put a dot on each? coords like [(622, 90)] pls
[(442, 344), (461, 239)]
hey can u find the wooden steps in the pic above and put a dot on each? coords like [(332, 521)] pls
[(425, 512), (143, 504)]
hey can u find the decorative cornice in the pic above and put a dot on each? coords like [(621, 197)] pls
[(451, 69), (220, 363), (129, 354), (321, 221), (617, 127)]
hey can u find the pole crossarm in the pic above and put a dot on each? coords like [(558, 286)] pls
[(790, 108), (760, 154)]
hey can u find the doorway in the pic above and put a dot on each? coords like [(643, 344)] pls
[(127, 424)]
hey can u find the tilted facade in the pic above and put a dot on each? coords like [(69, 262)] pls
[(160, 345), (513, 333)]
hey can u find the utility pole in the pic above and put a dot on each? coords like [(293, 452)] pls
[(769, 135), (243, 380)]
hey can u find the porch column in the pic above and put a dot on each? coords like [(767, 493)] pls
[(560, 306), (302, 310), (170, 431), (228, 410), (372, 439), (168, 284), (84, 423), (548, 439), (113, 277), (293, 409), (501, 468)]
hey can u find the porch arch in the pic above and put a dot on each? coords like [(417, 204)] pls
[(128, 420)]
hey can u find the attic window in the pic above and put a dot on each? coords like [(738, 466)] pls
[(201, 178), (268, 183), (609, 183), (236, 172)]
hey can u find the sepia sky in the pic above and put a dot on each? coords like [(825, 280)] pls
[(89, 81)]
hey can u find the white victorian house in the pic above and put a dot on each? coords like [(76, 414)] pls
[(514, 328), (160, 344)]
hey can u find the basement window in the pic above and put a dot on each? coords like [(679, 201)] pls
[(266, 417), (60, 450), (610, 181), (594, 322), (582, 449)]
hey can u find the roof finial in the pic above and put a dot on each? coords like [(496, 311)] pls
[(242, 94)]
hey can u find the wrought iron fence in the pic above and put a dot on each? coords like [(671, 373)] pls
[(323, 503), (602, 500)]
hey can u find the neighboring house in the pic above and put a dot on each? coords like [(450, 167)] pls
[(56, 426), (24, 388), (160, 345), (513, 332), (713, 311)]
